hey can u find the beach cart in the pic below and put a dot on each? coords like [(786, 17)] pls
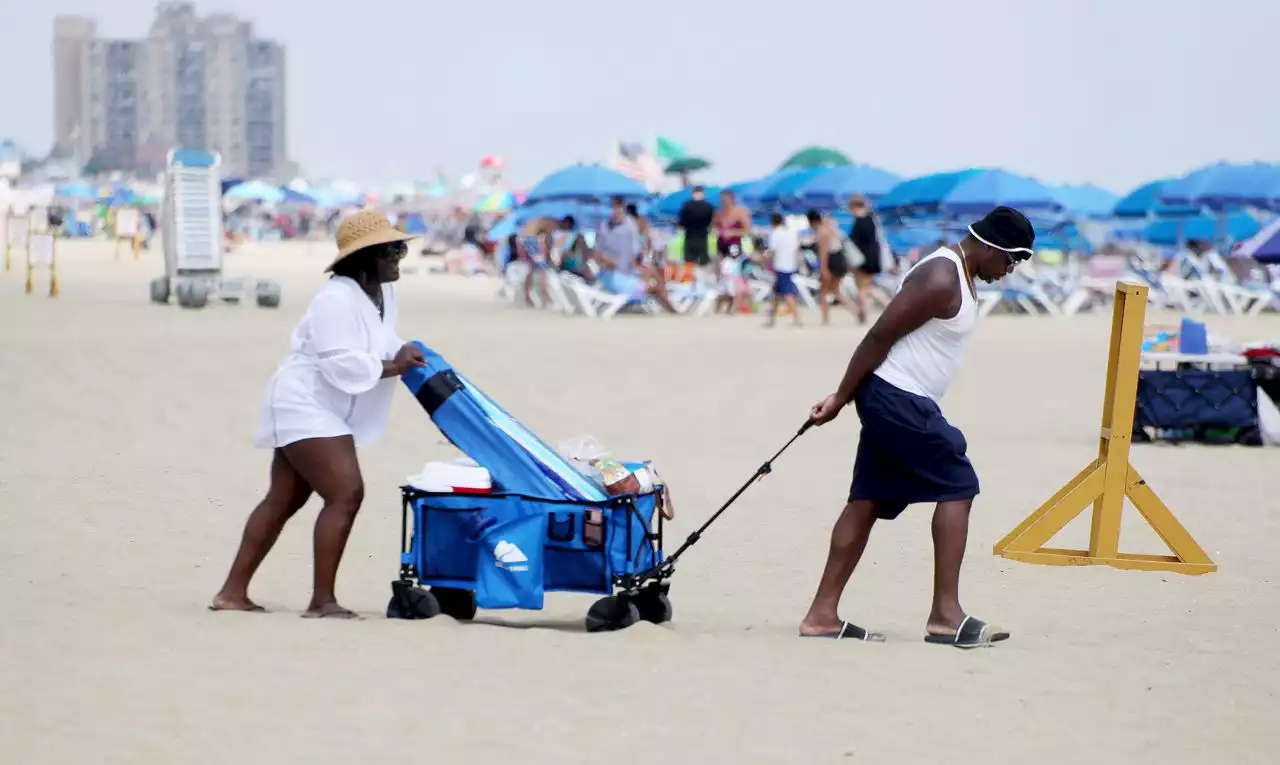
[(542, 526)]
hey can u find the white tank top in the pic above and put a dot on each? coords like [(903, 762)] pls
[(925, 361)]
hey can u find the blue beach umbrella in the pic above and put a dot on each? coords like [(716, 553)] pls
[(585, 182), (669, 206), (1144, 201), (782, 190), (255, 191), (1236, 227), (1085, 201), (833, 188), (1222, 186), (924, 193), (977, 193)]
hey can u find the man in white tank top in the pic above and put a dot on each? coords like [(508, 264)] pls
[(907, 451)]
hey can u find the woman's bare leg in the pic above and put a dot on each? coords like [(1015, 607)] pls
[(286, 495), (846, 301), (330, 466), (863, 283)]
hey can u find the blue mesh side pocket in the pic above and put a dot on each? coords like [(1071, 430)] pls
[(630, 549), (509, 558)]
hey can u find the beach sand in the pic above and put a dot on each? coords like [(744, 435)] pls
[(127, 471)]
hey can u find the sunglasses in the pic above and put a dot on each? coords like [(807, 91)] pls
[(395, 251)]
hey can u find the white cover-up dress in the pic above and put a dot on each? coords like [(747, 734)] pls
[(331, 382)]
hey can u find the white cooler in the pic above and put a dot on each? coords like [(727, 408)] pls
[(457, 477)]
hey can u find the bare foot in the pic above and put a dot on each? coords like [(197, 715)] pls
[(816, 628), (329, 611), (223, 603)]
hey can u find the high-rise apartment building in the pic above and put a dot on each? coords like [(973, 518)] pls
[(192, 82)]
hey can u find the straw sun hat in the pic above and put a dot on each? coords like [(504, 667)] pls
[(365, 229)]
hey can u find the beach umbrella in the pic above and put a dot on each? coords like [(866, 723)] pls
[(815, 156), (585, 182), (977, 193), (1144, 201), (686, 165), (1236, 226), (750, 193), (925, 192), (742, 188), (834, 187), (1085, 201), (1263, 246), (255, 191), (586, 214), (1223, 186), (669, 206), (785, 186), (294, 197)]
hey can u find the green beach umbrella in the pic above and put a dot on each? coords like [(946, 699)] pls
[(815, 156), (686, 165)]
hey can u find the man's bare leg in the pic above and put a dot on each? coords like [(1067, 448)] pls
[(848, 541), (950, 533)]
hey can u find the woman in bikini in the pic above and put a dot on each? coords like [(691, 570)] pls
[(832, 265), (732, 224)]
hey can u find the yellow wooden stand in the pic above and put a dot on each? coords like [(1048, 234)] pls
[(54, 288), (1106, 481)]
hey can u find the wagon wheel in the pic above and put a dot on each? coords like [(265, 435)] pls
[(460, 604), (409, 602), (653, 604), (612, 613)]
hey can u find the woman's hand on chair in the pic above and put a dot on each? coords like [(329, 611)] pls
[(409, 357)]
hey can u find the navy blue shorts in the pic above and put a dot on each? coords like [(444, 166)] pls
[(784, 284), (907, 451)]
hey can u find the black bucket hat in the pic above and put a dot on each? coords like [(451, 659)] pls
[(1007, 230)]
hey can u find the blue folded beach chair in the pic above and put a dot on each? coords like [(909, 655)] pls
[(545, 527)]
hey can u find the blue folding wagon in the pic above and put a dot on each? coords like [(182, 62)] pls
[(544, 528)]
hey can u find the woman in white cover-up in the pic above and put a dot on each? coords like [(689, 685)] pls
[(330, 395)]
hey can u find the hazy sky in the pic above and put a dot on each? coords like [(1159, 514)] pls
[(1110, 91)]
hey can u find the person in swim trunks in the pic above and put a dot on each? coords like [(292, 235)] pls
[(907, 451)]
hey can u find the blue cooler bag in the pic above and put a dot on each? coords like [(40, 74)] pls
[(509, 558)]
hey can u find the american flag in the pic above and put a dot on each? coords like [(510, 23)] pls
[(633, 160)]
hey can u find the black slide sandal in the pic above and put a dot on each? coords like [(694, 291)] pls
[(851, 631), (972, 633)]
